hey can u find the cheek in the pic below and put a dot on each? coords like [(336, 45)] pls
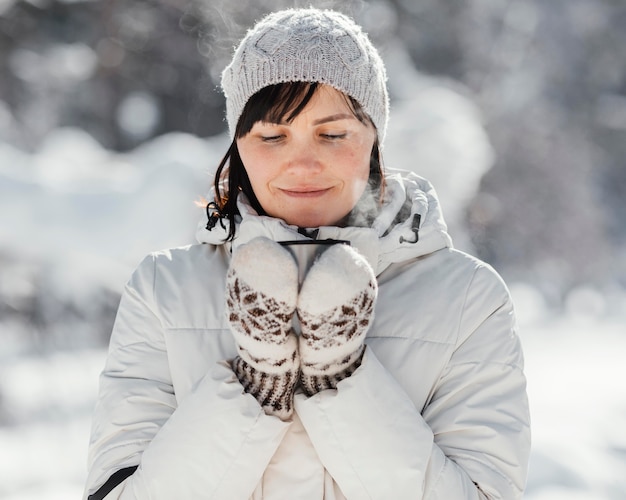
[(357, 174), (253, 162), (359, 164)]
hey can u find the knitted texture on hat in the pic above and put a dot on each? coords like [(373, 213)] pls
[(309, 45), (335, 308), (261, 296)]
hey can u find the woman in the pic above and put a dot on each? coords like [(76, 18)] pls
[(324, 340)]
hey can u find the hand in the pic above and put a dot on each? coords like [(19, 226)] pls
[(261, 296), (335, 308)]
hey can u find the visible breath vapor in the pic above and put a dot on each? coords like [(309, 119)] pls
[(222, 23)]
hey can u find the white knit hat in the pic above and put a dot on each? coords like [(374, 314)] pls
[(309, 45)]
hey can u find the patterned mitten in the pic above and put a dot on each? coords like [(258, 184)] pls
[(261, 295), (335, 308)]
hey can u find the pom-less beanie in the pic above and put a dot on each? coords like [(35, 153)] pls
[(309, 45)]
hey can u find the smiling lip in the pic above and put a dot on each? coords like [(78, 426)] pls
[(311, 192)]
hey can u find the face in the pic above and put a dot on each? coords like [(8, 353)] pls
[(312, 171)]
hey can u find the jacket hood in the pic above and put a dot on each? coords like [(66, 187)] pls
[(410, 224)]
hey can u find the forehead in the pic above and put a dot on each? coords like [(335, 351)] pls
[(326, 97), (322, 102), (282, 103)]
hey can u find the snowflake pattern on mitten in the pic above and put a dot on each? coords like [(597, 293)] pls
[(335, 309), (261, 295)]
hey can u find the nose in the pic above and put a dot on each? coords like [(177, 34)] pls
[(303, 158)]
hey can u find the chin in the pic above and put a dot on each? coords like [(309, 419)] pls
[(308, 221), (312, 222)]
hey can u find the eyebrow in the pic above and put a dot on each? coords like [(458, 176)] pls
[(332, 118)]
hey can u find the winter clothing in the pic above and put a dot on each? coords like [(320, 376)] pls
[(335, 308), (307, 45), (436, 409), (261, 294)]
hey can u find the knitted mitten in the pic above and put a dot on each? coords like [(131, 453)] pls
[(335, 308), (261, 295)]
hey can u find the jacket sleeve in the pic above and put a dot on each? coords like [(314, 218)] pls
[(199, 447), (472, 439)]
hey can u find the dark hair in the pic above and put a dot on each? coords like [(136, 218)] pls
[(275, 103)]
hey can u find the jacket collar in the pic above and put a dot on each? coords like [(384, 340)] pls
[(410, 224)]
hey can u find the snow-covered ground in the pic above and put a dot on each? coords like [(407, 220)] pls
[(576, 385), (80, 218)]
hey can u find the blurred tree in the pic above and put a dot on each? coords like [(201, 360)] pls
[(549, 77), (123, 71), (542, 213)]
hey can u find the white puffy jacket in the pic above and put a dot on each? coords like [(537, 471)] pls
[(437, 409)]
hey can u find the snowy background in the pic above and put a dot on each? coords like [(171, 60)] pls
[(110, 126)]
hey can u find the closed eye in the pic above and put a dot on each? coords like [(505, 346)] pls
[(334, 136), (271, 138)]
